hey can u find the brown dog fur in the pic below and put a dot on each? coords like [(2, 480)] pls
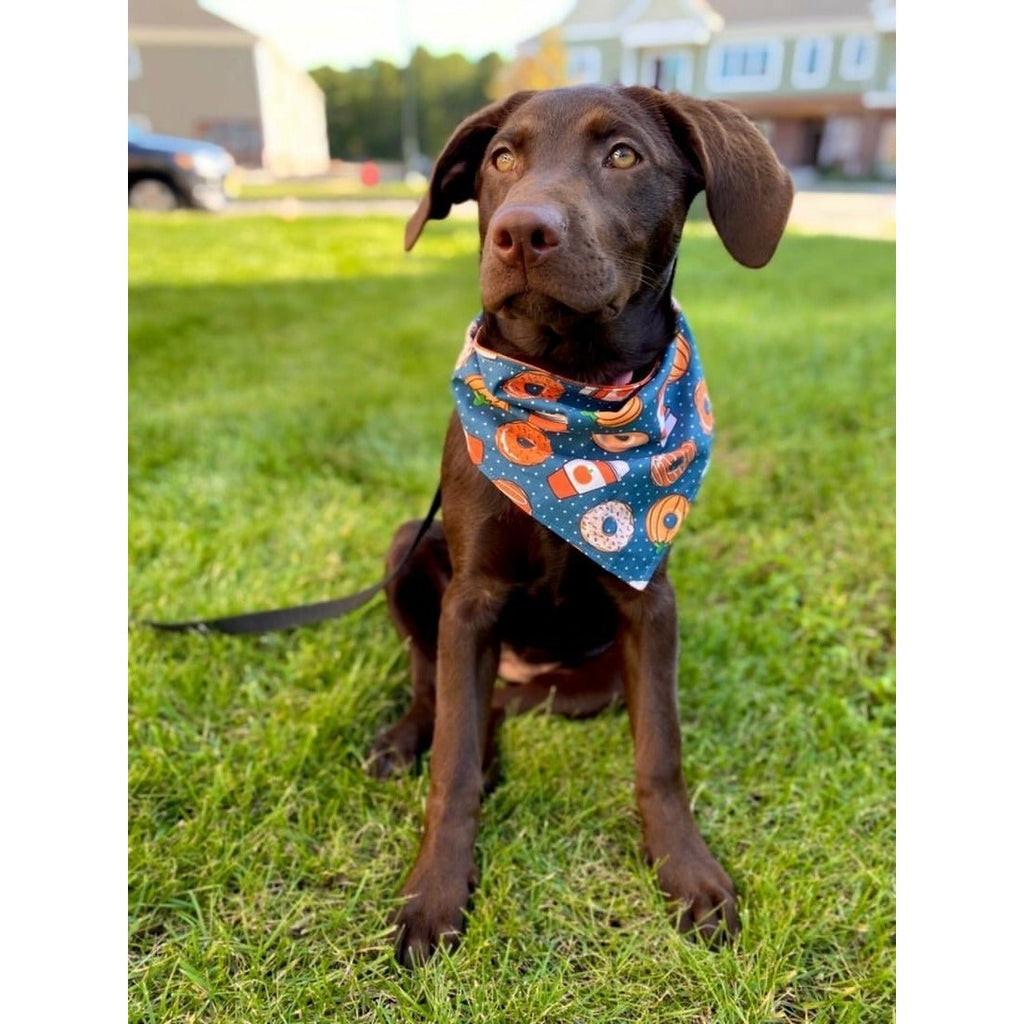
[(576, 269)]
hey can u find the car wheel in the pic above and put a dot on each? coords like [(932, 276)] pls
[(152, 194)]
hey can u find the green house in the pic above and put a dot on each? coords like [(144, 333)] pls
[(818, 76)]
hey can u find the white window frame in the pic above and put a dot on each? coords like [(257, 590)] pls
[(848, 67), (769, 80), (584, 65), (803, 79), (684, 79)]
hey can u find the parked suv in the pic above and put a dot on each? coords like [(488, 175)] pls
[(166, 172)]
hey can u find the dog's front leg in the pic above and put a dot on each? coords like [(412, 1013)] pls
[(438, 887), (698, 890)]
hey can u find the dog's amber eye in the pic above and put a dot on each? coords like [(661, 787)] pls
[(623, 157), (503, 160)]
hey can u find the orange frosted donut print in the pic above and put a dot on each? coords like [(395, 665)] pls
[(554, 423), (703, 402), (522, 444), (533, 384), (620, 442), (475, 447), (515, 494), (668, 468)]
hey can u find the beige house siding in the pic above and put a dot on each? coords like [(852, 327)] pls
[(195, 75), (293, 115), (197, 92), (884, 82), (595, 62)]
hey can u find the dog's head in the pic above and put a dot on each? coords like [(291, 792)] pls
[(583, 193)]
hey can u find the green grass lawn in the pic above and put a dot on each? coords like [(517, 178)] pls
[(288, 397)]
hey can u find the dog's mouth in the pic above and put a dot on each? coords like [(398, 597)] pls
[(555, 314), (550, 334)]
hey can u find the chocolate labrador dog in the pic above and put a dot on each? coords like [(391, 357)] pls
[(582, 196)]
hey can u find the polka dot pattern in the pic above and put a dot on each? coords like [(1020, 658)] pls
[(620, 499)]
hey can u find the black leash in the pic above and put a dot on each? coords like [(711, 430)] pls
[(251, 623)]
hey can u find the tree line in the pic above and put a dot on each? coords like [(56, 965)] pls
[(365, 105)]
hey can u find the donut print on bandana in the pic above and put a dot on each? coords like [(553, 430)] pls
[(522, 443), (608, 527), (534, 384), (611, 469)]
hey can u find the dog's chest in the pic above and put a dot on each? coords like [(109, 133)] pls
[(563, 611)]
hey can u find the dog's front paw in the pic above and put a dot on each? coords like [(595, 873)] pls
[(385, 759), (701, 896), (394, 750), (433, 914)]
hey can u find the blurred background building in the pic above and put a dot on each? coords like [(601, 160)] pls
[(818, 76), (193, 74)]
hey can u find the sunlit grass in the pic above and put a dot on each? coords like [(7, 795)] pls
[(288, 399)]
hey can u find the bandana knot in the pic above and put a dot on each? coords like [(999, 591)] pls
[(610, 469)]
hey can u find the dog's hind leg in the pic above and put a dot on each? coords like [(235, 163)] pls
[(414, 601), (578, 691)]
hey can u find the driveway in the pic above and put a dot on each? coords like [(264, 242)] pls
[(864, 214)]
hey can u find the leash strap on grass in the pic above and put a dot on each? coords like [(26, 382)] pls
[(251, 623)]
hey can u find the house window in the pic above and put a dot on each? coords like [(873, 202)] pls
[(857, 57), (668, 71), (745, 67), (812, 62), (840, 145), (584, 65)]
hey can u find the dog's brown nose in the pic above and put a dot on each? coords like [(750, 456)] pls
[(526, 235)]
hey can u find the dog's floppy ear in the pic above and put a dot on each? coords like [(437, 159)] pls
[(453, 179), (749, 193)]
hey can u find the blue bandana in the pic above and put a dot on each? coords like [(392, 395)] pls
[(610, 469)]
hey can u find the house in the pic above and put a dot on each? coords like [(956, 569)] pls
[(818, 76), (193, 74)]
